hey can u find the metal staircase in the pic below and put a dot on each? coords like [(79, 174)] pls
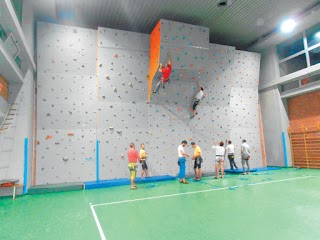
[(10, 116)]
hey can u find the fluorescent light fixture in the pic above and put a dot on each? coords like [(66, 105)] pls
[(288, 25)]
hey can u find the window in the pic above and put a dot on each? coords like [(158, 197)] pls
[(290, 47), (17, 5), (299, 52), (18, 61), (312, 79), (293, 65), (290, 86), (3, 34), (313, 35), (314, 56)]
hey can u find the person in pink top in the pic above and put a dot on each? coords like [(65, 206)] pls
[(165, 74), (133, 157)]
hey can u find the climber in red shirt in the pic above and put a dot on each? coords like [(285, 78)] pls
[(165, 74)]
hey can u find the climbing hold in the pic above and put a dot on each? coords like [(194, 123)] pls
[(48, 137), (65, 159), (70, 134), (115, 56)]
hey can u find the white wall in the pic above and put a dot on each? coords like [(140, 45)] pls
[(12, 142)]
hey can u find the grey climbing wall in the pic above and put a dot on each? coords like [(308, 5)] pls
[(66, 104), (93, 85), (233, 97), (170, 108), (123, 62)]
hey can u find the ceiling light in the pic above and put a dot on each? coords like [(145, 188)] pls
[(317, 34), (288, 25)]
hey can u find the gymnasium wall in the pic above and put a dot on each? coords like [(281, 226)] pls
[(117, 113), (304, 110), (12, 141), (273, 110)]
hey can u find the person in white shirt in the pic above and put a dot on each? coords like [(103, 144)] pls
[(219, 158), (230, 150), (245, 156), (182, 162), (197, 100)]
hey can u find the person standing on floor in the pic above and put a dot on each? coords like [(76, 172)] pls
[(165, 74), (133, 157), (230, 150), (219, 158), (182, 162), (197, 161), (245, 156), (143, 159)]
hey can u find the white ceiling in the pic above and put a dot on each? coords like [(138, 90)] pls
[(240, 24)]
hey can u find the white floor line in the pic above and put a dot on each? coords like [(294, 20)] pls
[(103, 237), (201, 191)]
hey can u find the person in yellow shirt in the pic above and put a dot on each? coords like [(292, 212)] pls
[(197, 161), (143, 158)]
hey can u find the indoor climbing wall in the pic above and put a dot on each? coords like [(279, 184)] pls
[(122, 116), (170, 108), (93, 85), (66, 104), (233, 97)]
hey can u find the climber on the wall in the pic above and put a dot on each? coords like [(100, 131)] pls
[(199, 96), (165, 74)]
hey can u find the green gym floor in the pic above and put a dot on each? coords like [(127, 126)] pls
[(282, 204)]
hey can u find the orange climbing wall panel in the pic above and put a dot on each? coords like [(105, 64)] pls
[(4, 88), (304, 116), (155, 39)]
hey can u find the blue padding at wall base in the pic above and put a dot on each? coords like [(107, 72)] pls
[(240, 170), (124, 181)]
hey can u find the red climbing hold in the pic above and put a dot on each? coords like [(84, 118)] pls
[(48, 137)]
